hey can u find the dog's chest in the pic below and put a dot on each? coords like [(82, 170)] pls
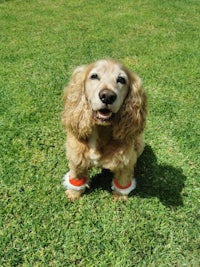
[(94, 154), (100, 143)]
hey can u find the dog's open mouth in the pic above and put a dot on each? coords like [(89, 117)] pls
[(104, 115)]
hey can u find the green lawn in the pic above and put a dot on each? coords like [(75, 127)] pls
[(40, 44)]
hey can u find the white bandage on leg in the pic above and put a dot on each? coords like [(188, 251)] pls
[(123, 190), (74, 184)]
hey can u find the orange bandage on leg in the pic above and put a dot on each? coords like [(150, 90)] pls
[(74, 184), (124, 190)]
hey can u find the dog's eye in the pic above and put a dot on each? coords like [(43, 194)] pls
[(94, 77), (121, 80)]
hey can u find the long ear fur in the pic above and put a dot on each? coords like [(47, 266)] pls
[(130, 120), (77, 116)]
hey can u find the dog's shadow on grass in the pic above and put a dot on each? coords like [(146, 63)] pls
[(153, 180)]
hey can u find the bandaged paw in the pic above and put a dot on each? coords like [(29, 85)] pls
[(74, 184), (123, 190)]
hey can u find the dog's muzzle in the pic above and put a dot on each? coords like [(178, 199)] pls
[(103, 115), (107, 96)]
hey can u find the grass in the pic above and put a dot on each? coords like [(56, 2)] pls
[(40, 43)]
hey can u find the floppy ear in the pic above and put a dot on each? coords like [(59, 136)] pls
[(130, 120), (77, 115)]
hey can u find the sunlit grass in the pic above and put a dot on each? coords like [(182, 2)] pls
[(40, 44)]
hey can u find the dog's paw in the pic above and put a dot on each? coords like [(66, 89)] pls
[(73, 195), (118, 197)]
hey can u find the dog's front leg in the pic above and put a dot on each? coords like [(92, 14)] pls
[(123, 183), (75, 185), (75, 181)]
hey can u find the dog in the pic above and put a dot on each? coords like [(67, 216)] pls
[(105, 109)]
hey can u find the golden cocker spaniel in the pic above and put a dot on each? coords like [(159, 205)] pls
[(104, 114)]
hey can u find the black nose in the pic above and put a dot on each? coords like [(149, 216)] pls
[(107, 96)]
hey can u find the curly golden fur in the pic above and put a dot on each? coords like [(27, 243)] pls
[(104, 114)]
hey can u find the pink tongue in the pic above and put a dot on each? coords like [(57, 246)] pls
[(104, 114)]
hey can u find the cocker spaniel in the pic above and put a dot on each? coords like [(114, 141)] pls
[(104, 114)]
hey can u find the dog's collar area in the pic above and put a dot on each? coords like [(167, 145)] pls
[(73, 183), (124, 190)]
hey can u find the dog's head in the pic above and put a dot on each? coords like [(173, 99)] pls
[(105, 93), (106, 87)]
